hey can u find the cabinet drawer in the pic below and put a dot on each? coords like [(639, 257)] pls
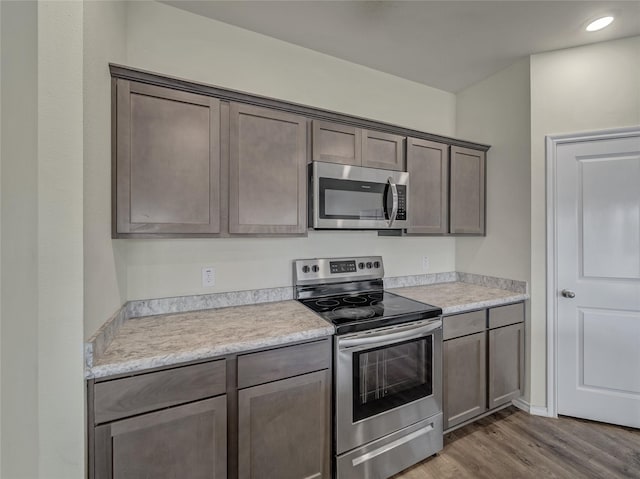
[(463, 324), (506, 315), (266, 366), (129, 396)]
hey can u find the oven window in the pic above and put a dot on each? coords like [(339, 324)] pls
[(390, 376), (347, 199)]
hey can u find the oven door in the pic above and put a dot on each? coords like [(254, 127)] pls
[(386, 379), (352, 197)]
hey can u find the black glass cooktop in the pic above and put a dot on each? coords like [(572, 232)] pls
[(367, 310)]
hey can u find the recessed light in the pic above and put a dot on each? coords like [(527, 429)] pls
[(599, 24)]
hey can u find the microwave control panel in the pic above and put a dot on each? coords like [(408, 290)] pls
[(402, 203)]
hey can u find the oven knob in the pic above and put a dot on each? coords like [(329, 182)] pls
[(369, 265), (360, 265), (315, 268), (305, 269), (376, 264)]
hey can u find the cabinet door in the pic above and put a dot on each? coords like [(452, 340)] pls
[(268, 171), (335, 143), (383, 150), (465, 363), (506, 364), (467, 209), (284, 428), (428, 167), (167, 161), (184, 441)]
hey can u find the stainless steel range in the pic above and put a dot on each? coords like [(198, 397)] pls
[(387, 366)]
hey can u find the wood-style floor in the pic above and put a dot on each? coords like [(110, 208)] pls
[(513, 444)]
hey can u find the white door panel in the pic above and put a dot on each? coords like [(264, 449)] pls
[(610, 217), (607, 341), (598, 258)]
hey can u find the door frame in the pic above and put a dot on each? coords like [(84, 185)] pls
[(552, 143)]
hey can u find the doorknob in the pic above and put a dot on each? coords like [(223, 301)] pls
[(568, 293)]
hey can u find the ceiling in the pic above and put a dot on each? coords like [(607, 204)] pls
[(445, 44)]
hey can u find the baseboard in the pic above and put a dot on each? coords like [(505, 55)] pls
[(539, 411), (533, 410), (522, 404)]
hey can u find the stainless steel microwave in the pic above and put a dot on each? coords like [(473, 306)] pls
[(353, 197)]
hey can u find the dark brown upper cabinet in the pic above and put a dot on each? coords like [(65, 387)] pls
[(428, 167), (447, 189), (267, 171), (335, 143), (382, 150), (349, 145), (467, 207), (167, 161), (196, 160)]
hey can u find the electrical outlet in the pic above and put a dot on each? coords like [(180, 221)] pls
[(208, 277), (425, 264)]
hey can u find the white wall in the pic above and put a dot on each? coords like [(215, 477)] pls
[(42, 407), (496, 111), (167, 40), (19, 241), (166, 268), (104, 259), (579, 89), (61, 423)]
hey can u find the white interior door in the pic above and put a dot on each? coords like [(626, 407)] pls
[(598, 260)]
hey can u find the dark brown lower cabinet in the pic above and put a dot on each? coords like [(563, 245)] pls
[(259, 414), (506, 364), (283, 428), (182, 441), (464, 378), (483, 365)]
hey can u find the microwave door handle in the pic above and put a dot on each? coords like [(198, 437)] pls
[(394, 196)]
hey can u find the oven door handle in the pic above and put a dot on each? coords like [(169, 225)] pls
[(385, 337), (394, 197)]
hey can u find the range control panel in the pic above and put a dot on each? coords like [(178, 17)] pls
[(348, 266), (330, 270)]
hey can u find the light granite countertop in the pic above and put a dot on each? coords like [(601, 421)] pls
[(154, 341), (141, 343), (457, 297)]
